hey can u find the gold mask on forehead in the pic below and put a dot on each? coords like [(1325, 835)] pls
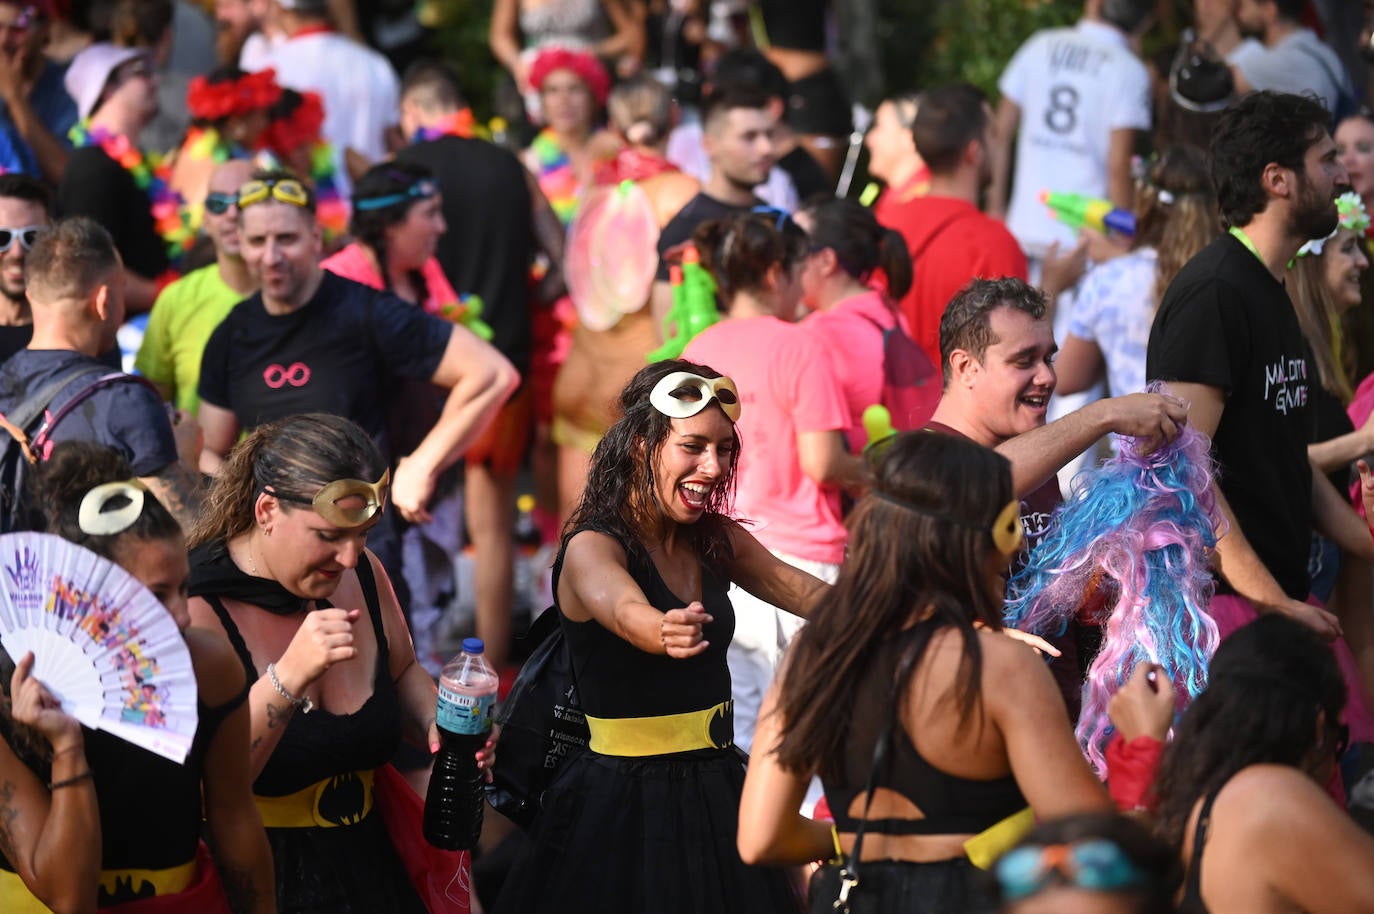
[(326, 501)]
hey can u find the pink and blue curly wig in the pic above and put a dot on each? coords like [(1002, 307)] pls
[(1132, 539)]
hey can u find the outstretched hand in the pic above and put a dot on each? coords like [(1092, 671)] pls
[(681, 631)]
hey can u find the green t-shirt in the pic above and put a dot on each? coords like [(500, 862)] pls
[(183, 317)]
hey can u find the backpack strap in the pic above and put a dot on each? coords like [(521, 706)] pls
[(18, 420), (106, 379)]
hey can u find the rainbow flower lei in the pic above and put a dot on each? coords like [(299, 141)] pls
[(150, 174), (556, 176)]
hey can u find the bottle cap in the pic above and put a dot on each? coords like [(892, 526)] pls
[(524, 503), (473, 646)]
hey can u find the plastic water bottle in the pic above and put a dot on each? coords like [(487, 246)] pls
[(456, 797)]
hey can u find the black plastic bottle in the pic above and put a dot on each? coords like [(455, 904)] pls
[(456, 798)]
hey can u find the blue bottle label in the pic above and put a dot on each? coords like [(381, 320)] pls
[(466, 715)]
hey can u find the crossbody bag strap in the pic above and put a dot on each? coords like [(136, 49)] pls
[(849, 872)]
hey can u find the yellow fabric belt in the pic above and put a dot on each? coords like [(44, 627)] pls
[(713, 728), (984, 848), (344, 799), (15, 897)]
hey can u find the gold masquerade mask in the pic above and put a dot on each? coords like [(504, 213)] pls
[(326, 501), (1007, 533), (682, 394)]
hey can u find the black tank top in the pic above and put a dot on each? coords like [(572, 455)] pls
[(616, 679), (321, 744), (798, 25), (1192, 884), (952, 805)]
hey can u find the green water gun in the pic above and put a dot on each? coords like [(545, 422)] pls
[(467, 310), (1079, 210), (694, 305)]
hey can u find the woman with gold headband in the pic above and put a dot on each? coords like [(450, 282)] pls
[(645, 820), (279, 564), (138, 817), (925, 724)]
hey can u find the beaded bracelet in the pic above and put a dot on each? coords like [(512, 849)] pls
[(74, 779)]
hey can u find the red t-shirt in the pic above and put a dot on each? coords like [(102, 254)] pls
[(951, 242)]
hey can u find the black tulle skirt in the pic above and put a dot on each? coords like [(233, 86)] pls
[(349, 870), (649, 835), (896, 887)]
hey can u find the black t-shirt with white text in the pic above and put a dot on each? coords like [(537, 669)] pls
[(338, 353), (1226, 322)]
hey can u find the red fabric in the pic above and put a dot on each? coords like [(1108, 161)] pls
[(1131, 771), (582, 64), (1359, 410), (442, 878), (952, 243), (630, 164), (203, 896)]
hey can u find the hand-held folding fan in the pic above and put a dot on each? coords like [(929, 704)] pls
[(612, 254), (102, 643)]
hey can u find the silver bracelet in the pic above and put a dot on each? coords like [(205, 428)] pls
[(305, 704)]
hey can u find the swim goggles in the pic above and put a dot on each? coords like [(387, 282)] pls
[(96, 517), (219, 204), (284, 190), (682, 394), (420, 190), (1007, 532), (1097, 865), (326, 501), (26, 235)]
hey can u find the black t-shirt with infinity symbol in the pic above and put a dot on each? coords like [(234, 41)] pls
[(340, 353)]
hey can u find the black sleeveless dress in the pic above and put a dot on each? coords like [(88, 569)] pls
[(651, 834), (348, 865)]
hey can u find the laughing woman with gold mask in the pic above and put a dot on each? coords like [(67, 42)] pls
[(279, 564), (645, 820)]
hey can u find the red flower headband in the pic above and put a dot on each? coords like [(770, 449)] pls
[(300, 127), (209, 101), (583, 64)]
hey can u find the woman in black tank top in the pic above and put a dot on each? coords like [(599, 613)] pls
[(279, 565), (645, 820), (1245, 788), (151, 811), (903, 653)]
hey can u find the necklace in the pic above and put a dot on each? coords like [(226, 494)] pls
[(556, 176), (459, 123), (150, 175)]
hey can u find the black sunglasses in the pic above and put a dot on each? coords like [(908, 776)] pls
[(26, 236), (219, 203)]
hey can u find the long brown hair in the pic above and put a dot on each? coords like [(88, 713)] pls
[(1320, 320), (911, 556)]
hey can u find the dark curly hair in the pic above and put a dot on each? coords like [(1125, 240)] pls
[(1261, 128), (619, 498)]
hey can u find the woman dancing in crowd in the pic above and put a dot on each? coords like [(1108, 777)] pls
[(1109, 324), (150, 808), (911, 628), (645, 820), (601, 361), (1240, 788), (279, 565), (853, 317), (790, 484)]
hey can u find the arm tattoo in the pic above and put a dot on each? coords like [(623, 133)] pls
[(8, 813), (278, 715), (179, 491), (239, 889)]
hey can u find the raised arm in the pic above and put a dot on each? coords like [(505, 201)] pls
[(50, 833)]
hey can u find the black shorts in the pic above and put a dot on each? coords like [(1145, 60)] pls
[(817, 105)]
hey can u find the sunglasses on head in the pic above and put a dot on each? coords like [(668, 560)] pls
[(780, 217), (284, 190), (326, 501), (420, 190), (219, 204), (1097, 865), (681, 395), (26, 235)]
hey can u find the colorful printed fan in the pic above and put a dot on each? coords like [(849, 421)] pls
[(612, 254), (104, 645)]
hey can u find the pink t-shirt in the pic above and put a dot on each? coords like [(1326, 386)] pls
[(786, 386), (353, 263), (851, 333)]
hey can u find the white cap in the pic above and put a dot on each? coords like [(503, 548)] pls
[(90, 70)]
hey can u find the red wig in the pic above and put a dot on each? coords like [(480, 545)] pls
[(582, 64)]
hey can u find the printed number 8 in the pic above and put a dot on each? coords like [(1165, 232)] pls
[(1062, 114)]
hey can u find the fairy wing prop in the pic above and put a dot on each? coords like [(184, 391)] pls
[(612, 254), (104, 645)]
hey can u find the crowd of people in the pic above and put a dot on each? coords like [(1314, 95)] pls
[(284, 327)]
